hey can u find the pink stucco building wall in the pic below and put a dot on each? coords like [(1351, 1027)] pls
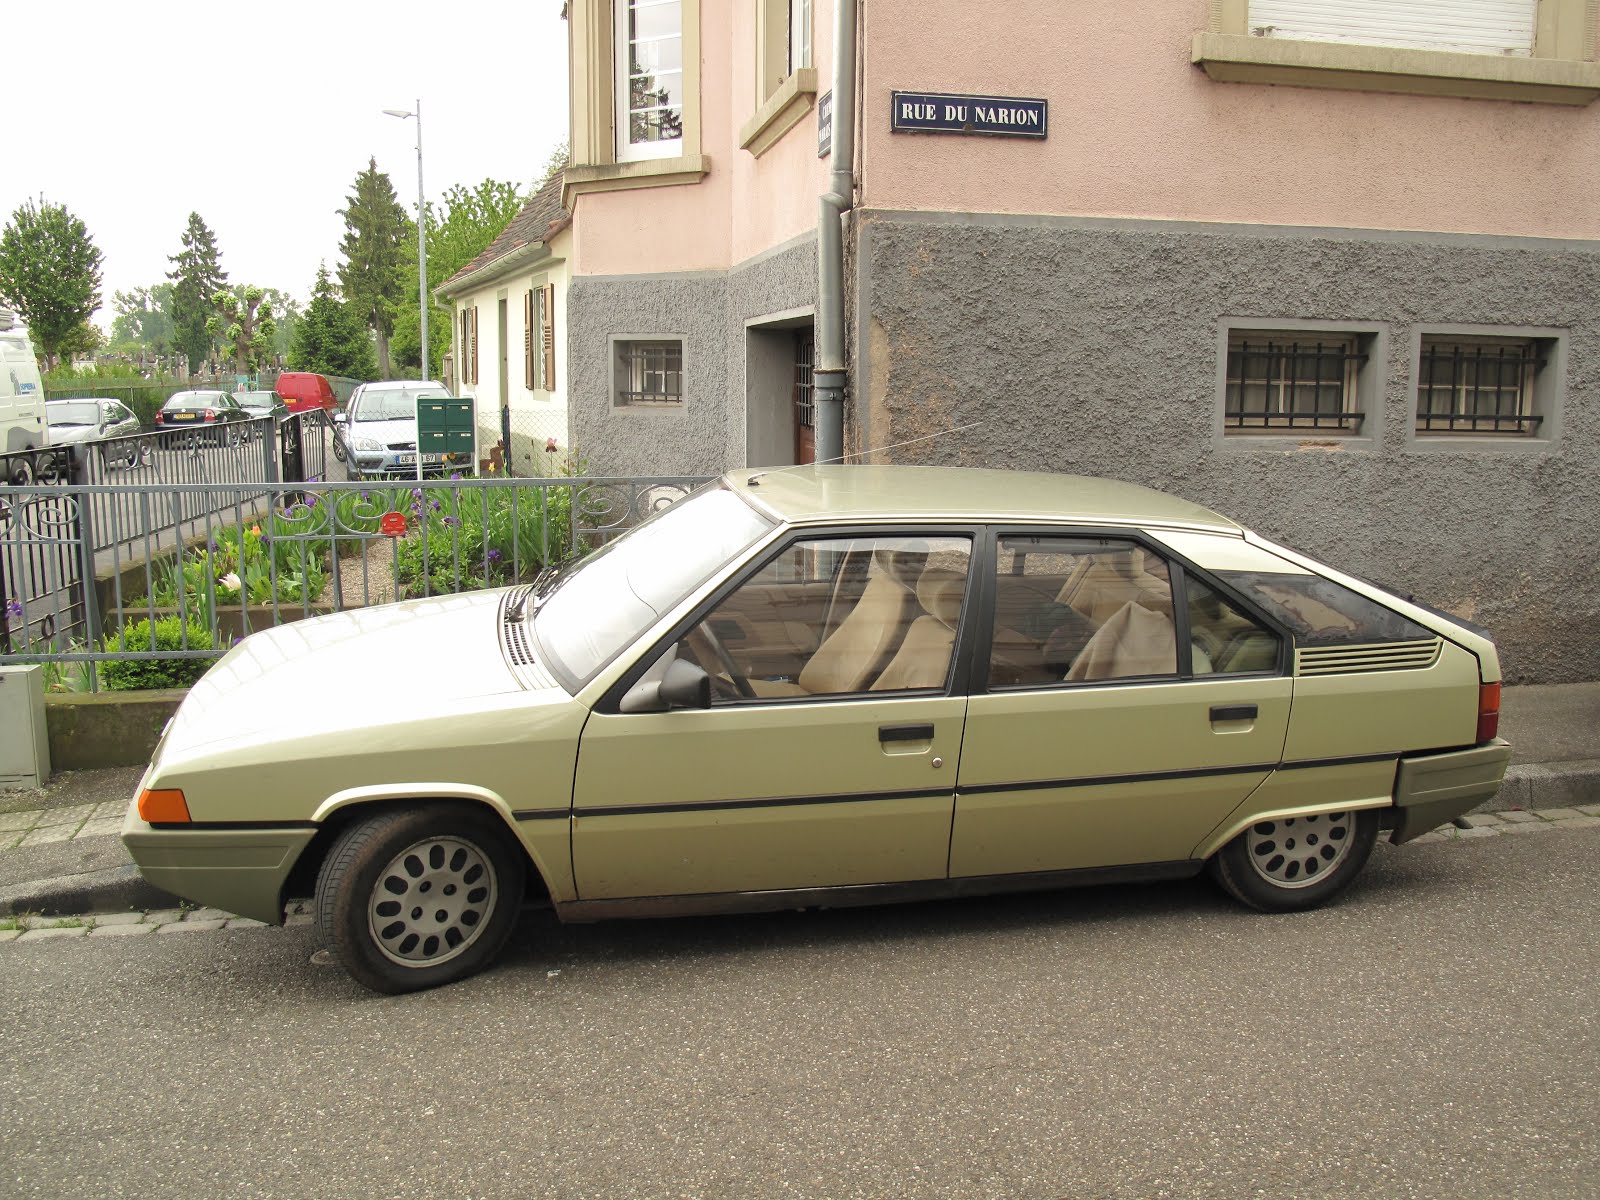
[(745, 205), (1137, 131)]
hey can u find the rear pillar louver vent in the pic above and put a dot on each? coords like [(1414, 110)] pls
[(1386, 656)]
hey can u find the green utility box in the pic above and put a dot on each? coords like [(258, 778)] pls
[(446, 426)]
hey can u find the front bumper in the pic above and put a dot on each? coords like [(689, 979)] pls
[(237, 870), (1434, 788)]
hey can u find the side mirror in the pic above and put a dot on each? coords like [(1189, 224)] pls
[(339, 418), (683, 686)]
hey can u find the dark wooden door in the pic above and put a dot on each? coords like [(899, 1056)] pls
[(804, 428)]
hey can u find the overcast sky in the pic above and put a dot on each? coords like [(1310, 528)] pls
[(259, 116)]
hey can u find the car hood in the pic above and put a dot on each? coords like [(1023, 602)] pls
[(394, 664), (403, 429)]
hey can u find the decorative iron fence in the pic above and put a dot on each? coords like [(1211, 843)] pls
[(152, 599)]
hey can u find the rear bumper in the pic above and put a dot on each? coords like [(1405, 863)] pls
[(239, 871), (1431, 789)]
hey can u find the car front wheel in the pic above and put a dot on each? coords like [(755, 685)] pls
[(1291, 863), (419, 897)]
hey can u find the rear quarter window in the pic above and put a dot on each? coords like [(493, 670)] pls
[(1320, 612)]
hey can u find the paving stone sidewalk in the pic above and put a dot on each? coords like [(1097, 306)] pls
[(35, 827)]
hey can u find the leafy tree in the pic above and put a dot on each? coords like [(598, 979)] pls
[(556, 162), (143, 324), (197, 276), (243, 321), (50, 273), (373, 273), (469, 219), (286, 315), (330, 338)]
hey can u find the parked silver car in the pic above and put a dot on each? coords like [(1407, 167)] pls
[(79, 421), (379, 428)]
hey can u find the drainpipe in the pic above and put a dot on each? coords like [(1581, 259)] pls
[(828, 373)]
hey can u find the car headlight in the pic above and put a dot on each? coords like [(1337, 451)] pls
[(363, 443)]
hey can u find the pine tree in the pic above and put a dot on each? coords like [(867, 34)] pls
[(50, 273), (197, 276), (329, 338), (373, 273)]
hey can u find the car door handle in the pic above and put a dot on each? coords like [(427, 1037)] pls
[(905, 733), (1233, 712)]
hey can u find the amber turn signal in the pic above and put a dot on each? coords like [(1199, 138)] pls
[(163, 806), (1488, 712)]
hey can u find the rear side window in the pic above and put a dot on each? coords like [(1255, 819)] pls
[(1320, 612)]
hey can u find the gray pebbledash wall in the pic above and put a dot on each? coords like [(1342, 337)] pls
[(708, 310), (1094, 346)]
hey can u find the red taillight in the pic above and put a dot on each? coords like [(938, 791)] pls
[(1488, 711), (158, 418), (211, 414)]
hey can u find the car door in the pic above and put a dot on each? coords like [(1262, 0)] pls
[(839, 773), (1130, 707)]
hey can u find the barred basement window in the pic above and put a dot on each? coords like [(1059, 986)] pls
[(1292, 381), (649, 373), (1478, 385)]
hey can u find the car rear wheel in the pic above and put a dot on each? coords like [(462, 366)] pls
[(1291, 863), (419, 897)]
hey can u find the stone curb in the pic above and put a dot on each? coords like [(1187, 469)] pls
[(109, 890), (1530, 786), (1548, 785)]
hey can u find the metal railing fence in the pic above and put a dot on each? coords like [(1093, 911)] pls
[(153, 599)]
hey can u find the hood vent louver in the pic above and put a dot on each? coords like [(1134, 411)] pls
[(517, 645), (1385, 656)]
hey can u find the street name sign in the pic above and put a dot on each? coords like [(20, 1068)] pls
[(943, 112)]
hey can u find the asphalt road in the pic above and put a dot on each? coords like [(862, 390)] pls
[(1433, 1035)]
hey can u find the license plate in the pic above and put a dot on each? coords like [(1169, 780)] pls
[(183, 416), (410, 460)]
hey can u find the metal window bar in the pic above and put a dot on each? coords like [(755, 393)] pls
[(1478, 388), (805, 351), (652, 372), (1294, 385)]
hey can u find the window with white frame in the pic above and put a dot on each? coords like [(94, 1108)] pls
[(647, 373), (1293, 380), (1480, 385), (799, 34), (649, 76)]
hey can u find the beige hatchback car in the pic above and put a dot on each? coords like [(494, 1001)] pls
[(826, 686)]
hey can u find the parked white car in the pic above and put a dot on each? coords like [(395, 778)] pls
[(380, 428)]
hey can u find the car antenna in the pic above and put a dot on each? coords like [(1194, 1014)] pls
[(756, 479)]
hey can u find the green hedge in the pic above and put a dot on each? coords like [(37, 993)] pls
[(170, 633)]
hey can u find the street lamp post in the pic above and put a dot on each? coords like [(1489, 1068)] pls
[(422, 255), (422, 236)]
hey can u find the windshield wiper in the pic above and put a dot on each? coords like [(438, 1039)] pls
[(542, 580)]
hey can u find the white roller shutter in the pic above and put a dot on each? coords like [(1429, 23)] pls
[(1469, 26)]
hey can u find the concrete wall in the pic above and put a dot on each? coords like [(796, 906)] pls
[(1093, 346), (709, 311)]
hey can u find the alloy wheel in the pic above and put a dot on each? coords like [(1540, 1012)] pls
[(432, 901), (1296, 852)]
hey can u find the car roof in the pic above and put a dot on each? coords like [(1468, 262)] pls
[(965, 494)]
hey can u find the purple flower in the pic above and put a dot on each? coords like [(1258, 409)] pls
[(435, 505), (417, 492), (454, 475), (13, 607), (452, 521), (494, 556)]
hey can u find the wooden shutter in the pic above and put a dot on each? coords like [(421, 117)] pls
[(1464, 26), (547, 334), (528, 380)]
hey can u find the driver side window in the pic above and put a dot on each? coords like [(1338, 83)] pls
[(837, 616)]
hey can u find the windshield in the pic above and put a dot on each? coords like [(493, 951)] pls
[(87, 413), (256, 399), (393, 404), (185, 400), (618, 592)]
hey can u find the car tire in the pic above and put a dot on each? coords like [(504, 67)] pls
[(418, 897), (1295, 863), (21, 472)]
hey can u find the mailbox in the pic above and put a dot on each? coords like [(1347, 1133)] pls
[(447, 426)]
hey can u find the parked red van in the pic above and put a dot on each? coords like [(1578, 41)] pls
[(305, 390)]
